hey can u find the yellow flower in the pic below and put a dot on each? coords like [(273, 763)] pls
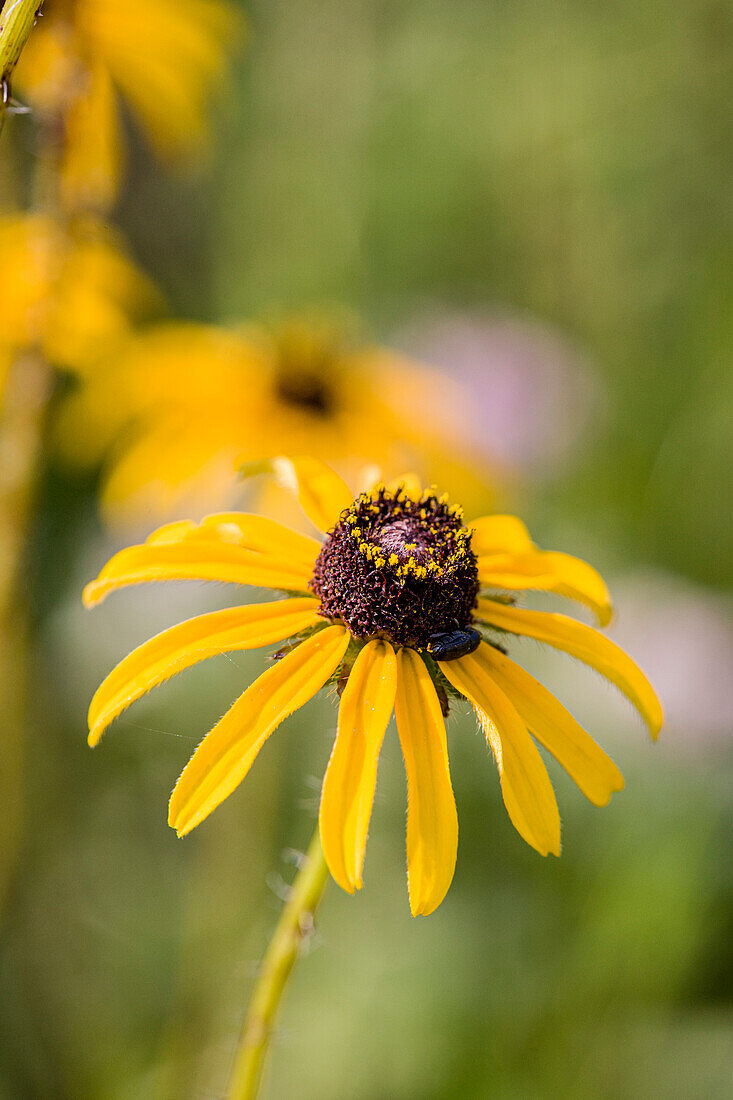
[(401, 604), (70, 293), (191, 403), (162, 57)]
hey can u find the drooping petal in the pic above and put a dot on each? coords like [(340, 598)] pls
[(588, 645), (91, 168), (226, 754), (500, 535), (321, 493), (548, 571), (525, 785), (432, 822), (351, 776), (215, 550), (168, 74), (235, 628), (554, 727)]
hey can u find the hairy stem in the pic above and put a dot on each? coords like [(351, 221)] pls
[(16, 23), (293, 929)]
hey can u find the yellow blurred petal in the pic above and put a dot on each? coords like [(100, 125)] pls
[(29, 246), (525, 785), (193, 463), (47, 67), (554, 727), (410, 484), (226, 754), (548, 571), (500, 535), (166, 56), (321, 493), (588, 645), (235, 628), (351, 776), (188, 551), (432, 822), (90, 172), (95, 296)]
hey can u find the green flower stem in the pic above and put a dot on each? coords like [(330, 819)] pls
[(293, 929), (16, 23)]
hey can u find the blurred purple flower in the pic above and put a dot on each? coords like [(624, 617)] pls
[(525, 395), (683, 636)]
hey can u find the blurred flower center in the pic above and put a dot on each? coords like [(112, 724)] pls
[(398, 568), (306, 388)]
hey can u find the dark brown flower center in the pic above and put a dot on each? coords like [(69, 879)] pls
[(398, 568), (306, 390)]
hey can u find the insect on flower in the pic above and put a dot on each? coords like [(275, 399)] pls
[(452, 644), (403, 601)]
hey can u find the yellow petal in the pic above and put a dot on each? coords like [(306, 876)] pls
[(351, 776), (432, 822), (168, 73), (525, 785), (500, 535), (548, 571), (264, 535), (554, 727), (91, 168), (214, 550), (321, 493), (226, 754), (409, 483), (587, 645), (235, 628)]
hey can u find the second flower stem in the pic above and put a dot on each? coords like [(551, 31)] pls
[(293, 929)]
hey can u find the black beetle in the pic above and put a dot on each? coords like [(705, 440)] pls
[(453, 644)]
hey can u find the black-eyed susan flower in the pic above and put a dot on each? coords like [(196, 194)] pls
[(403, 605), (70, 292), (162, 58), (183, 405)]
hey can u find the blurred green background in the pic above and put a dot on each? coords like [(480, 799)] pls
[(436, 166)]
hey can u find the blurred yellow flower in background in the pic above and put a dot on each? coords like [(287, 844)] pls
[(184, 404), (163, 58), (388, 607), (70, 293)]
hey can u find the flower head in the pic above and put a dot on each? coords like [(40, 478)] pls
[(162, 57), (191, 402), (70, 292), (403, 605)]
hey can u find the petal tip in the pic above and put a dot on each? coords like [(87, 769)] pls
[(91, 595), (655, 723)]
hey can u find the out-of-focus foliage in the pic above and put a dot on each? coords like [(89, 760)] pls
[(564, 164)]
